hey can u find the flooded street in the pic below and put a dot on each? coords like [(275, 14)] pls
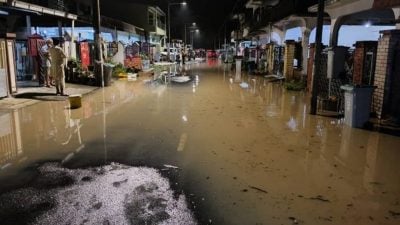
[(236, 154)]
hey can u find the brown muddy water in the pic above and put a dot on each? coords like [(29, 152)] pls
[(240, 154)]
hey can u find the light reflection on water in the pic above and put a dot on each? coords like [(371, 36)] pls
[(261, 136)]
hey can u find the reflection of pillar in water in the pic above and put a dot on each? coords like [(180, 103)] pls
[(104, 126), (17, 131), (238, 67), (10, 139), (254, 85), (346, 142), (224, 71), (371, 157), (238, 74)]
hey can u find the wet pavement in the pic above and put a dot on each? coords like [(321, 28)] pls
[(29, 93), (235, 149)]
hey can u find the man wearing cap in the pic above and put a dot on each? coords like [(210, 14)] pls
[(46, 61), (58, 59)]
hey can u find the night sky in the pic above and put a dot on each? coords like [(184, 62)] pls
[(209, 15)]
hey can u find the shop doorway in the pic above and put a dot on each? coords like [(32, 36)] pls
[(24, 63)]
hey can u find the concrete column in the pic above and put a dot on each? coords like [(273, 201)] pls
[(281, 33), (60, 31), (270, 58), (288, 59), (384, 65), (310, 68), (334, 35), (28, 25), (304, 44)]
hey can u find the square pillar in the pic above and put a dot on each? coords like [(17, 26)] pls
[(270, 58), (360, 54), (288, 59), (310, 67), (384, 68)]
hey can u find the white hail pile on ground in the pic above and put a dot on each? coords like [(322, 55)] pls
[(113, 194)]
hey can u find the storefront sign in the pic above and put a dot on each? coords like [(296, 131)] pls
[(133, 62), (85, 57), (32, 46)]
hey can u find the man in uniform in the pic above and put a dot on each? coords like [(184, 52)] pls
[(58, 57)]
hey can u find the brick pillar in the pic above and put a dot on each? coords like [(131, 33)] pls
[(359, 58), (288, 59), (383, 71), (358, 65), (310, 67)]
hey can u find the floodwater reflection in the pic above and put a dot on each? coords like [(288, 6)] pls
[(245, 155)]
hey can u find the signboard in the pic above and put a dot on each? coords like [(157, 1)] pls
[(32, 46), (133, 62), (85, 57)]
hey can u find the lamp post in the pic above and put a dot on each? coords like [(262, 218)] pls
[(192, 32), (169, 24), (191, 27), (98, 49)]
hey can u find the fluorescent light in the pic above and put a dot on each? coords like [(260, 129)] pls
[(183, 3)]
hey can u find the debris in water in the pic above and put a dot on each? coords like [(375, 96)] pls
[(371, 218), (325, 218), (258, 189), (171, 167), (293, 219), (118, 183), (394, 214), (320, 198), (244, 85)]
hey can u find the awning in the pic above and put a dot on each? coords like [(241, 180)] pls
[(39, 9)]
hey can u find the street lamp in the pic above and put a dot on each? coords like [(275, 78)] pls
[(193, 26), (169, 23), (192, 32)]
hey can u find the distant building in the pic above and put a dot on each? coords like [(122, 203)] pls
[(151, 18)]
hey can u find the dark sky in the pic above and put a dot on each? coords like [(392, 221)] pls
[(209, 15)]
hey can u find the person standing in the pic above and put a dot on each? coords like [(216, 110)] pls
[(183, 56), (58, 57), (46, 61)]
